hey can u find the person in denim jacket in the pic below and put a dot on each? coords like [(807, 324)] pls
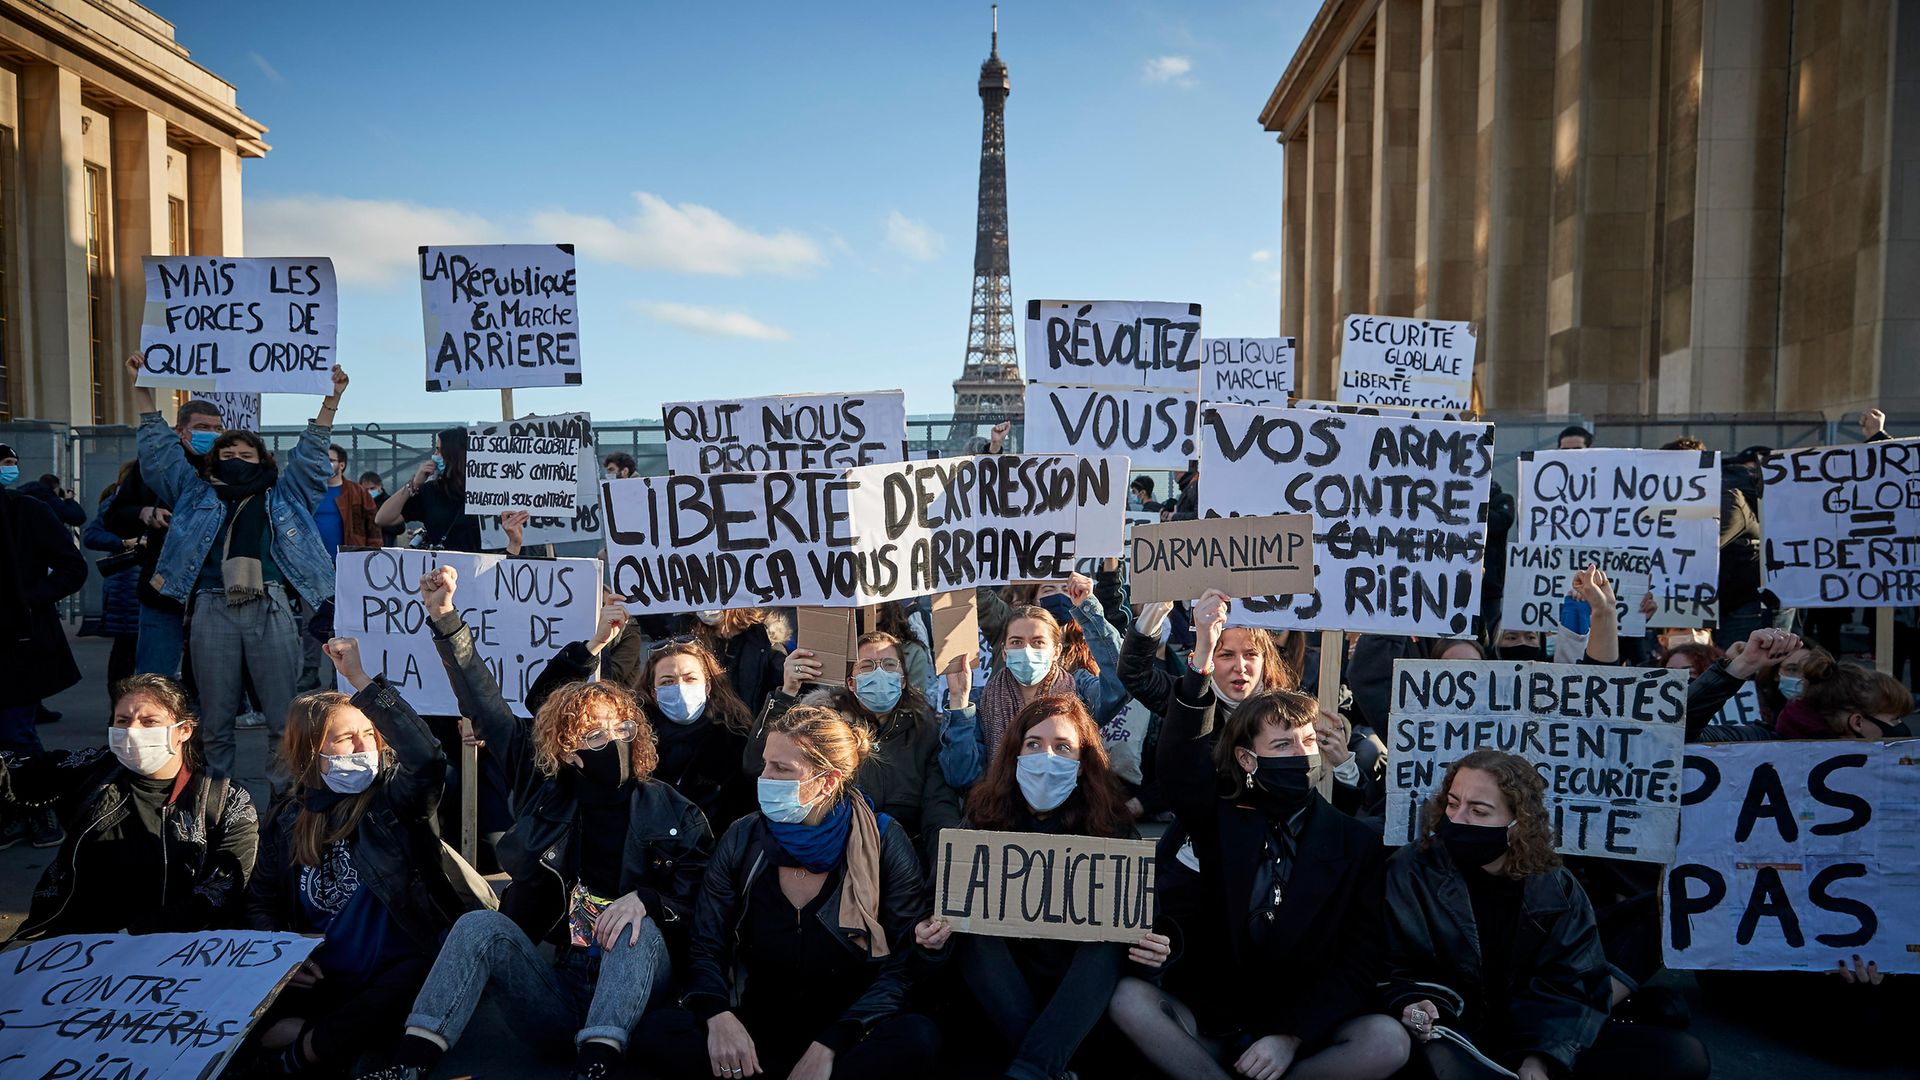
[(235, 582)]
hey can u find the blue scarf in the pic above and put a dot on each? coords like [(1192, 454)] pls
[(818, 848)]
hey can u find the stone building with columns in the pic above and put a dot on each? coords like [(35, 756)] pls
[(1647, 207), (113, 145)]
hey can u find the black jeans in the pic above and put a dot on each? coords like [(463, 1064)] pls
[(1042, 1018), (347, 1018), (1641, 1051), (673, 1043)]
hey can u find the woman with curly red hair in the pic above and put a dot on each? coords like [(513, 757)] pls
[(1492, 939), (1043, 997)]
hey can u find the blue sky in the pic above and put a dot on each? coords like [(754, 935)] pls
[(766, 198)]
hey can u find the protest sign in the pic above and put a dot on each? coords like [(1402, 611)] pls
[(1398, 508), (500, 316), (239, 325), (1246, 370), (1607, 741), (1114, 343), (1663, 502), (1797, 856), (521, 611), (1742, 708), (830, 634), (581, 526), (1125, 737), (1843, 525), (1398, 411), (238, 412), (1154, 428), (535, 473), (1417, 363), (1540, 576), (1241, 556), (955, 628), (1035, 885), (853, 537), (148, 1006), (792, 431), (552, 526)]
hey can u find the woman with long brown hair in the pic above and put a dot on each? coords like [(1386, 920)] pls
[(1043, 997), (1492, 939), (352, 853), (1038, 657)]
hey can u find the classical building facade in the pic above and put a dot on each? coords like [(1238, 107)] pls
[(1646, 206), (113, 145)]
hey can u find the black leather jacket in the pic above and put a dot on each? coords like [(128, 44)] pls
[(1559, 991), (396, 844), (743, 855), (668, 838)]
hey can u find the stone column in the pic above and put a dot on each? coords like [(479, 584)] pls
[(213, 208), (1293, 224), (58, 378), (1899, 388), (140, 226), (1448, 160), (1318, 332), (1396, 132), (1352, 192)]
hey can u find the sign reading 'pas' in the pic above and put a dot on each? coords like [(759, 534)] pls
[(500, 316)]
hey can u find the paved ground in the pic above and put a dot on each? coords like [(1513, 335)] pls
[(1739, 1052)]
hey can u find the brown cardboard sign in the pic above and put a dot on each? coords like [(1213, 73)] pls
[(1240, 556), (1032, 885), (830, 634), (956, 628)]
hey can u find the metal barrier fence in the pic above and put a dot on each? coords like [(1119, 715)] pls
[(89, 458)]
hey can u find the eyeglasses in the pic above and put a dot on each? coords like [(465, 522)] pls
[(599, 737), (666, 643), (865, 666)]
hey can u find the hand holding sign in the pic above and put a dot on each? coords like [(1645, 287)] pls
[(514, 524), (1209, 622), (801, 668), (436, 589), (960, 683), (1151, 951), (932, 934), (1592, 586), (1872, 422)]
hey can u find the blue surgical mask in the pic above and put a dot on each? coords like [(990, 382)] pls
[(202, 442), (9, 475), (439, 464), (350, 774), (1028, 666), (1792, 685), (682, 702), (879, 690), (780, 801), (1047, 779), (1134, 502)]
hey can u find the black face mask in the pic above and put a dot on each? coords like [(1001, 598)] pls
[(1473, 845), (1521, 652), (1285, 783), (1899, 730), (608, 767), (235, 472)]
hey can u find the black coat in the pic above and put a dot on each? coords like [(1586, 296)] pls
[(668, 838), (745, 852), (396, 843), (122, 518), (42, 567), (1559, 990), (1321, 960), (68, 511), (210, 845)]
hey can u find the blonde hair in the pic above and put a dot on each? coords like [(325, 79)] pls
[(827, 739)]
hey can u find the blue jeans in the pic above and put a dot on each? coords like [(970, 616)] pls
[(543, 1002), (162, 638)]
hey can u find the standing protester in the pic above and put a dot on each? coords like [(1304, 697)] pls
[(620, 466), (244, 535), (1036, 659), (1140, 495), (1489, 936), (751, 643), (436, 496), (1743, 608), (606, 860), (155, 843), (120, 590), (39, 567), (47, 489), (1245, 660), (376, 489), (1574, 437), (804, 930), (139, 514), (1044, 997), (346, 518)]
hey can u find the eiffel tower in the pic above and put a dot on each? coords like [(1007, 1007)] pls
[(989, 389)]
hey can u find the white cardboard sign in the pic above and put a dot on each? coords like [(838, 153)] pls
[(1154, 428), (1843, 525), (1539, 577), (238, 412), (1114, 343), (239, 325), (500, 316), (1247, 370), (537, 473), (1416, 363), (787, 432)]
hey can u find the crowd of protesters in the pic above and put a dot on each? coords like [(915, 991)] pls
[(716, 854)]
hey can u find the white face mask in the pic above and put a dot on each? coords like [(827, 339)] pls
[(711, 618), (350, 774), (145, 750)]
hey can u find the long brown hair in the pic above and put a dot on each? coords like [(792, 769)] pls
[(1851, 688), (313, 830), (1530, 840), (1098, 805), (722, 703), (1279, 707), (1073, 654), (563, 720), (1280, 667)]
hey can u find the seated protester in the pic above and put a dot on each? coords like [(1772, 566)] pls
[(902, 777), (1692, 657), (242, 536), (1075, 610), (353, 853), (897, 620), (751, 645), (116, 809), (1455, 649), (1718, 680), (1489, 936), (1245, 661), (804, 928), (436, 496), (1279, 973), (1856, 702), (1782, 690), (606, 862), (1044, 997), (1037, 657)]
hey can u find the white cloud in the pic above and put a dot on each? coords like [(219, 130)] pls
[(1263, 255), (371, 241), (914, 239), (272, 73), (1168, 69), (687, 237), (712, 321)]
